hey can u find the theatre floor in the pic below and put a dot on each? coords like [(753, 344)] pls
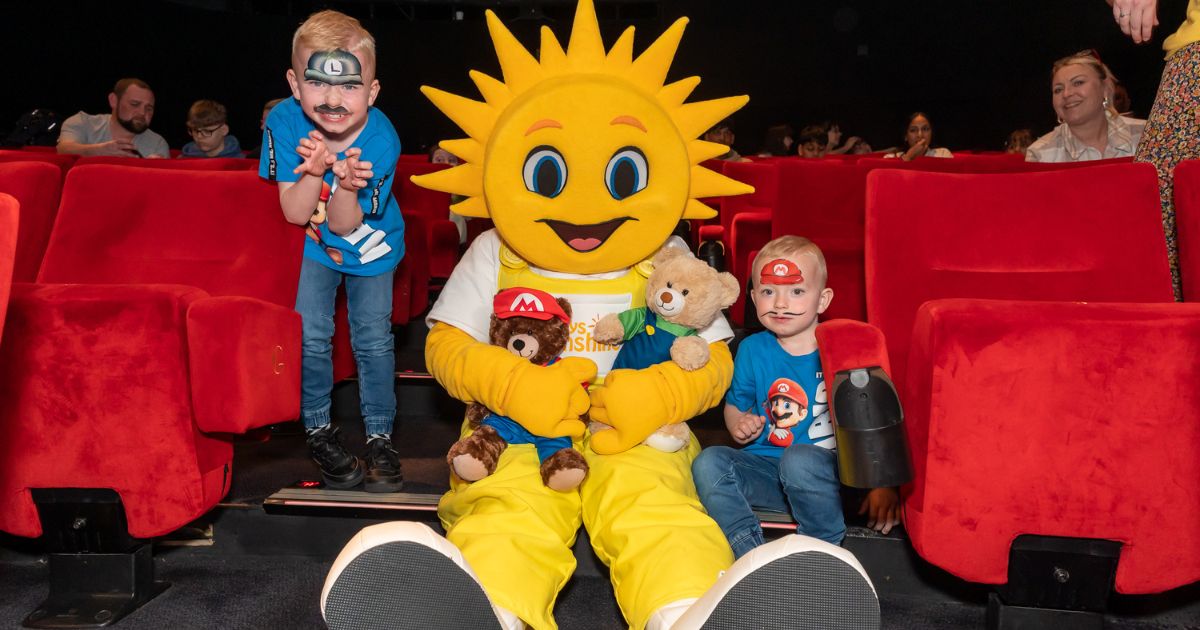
[(241, 567)]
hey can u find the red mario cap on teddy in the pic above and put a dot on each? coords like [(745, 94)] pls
[(531, 303), (787, 388), (780, 271)]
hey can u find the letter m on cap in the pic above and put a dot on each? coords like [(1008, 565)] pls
[(526, 303)]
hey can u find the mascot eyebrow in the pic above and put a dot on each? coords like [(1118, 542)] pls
[(628, 120), (335, 67)]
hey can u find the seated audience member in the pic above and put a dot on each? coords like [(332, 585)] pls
[(722, 133), (1089, 126), (778, 141), (125, 132), (862, 147), (918, 138), (1018, 141), (438, 155), (262, 125), (210, 133), (813, 141), (835, 145), (1121, 101)]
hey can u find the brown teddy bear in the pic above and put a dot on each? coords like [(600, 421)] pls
[(683, 295), (533, 325)]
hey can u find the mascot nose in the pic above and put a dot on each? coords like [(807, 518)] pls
[(518, 344), (666, 297)]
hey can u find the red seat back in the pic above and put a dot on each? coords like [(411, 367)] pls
[(64, 161), (1001, 163), (824, 201), (120, 224), (1059, 235), (9, 209), (184, 164), (37, 187), (1187, 226)]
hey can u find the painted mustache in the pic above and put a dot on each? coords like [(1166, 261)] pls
[(325, 109), (784, 313)]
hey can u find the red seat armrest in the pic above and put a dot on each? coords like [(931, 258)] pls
[(244, 358)]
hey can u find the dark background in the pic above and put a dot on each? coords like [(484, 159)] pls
[(980, 68)]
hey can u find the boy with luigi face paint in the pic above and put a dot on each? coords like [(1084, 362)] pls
[(333, 156)]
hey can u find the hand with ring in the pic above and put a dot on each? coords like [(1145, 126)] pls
[(1137, 18)]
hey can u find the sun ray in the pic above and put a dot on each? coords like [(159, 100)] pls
[(698, 210), (473, 117), (620, 56), (467, 149), (650, 68), (585, 48), (519, 68), (471, 207), (553, 57), (493, 91), (707, 183), (674, 94), (698, 150), (464, 179), (696, 118)]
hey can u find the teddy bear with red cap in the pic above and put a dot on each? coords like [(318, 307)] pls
[(533, 325)]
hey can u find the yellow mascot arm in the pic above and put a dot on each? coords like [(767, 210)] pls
[(545, 400), (637, 402)]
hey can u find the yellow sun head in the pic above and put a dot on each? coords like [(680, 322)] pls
[(584, 159)]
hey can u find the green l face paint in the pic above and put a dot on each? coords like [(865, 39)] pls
[(335, 67)]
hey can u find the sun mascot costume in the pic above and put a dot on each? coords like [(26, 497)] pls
[(585, 160)]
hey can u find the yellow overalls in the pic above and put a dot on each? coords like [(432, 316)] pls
[(640, 507)]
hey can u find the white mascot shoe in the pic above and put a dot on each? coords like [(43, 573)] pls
[(794, 582), (404, 575)]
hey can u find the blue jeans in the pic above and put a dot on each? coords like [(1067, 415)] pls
[(369, 301), (804, 481)]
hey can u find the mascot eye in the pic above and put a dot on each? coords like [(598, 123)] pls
[(545, 171), (626, 173)]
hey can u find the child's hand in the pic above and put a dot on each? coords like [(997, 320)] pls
[(747, 428), (352, 173), (882, 507), (317, 157)]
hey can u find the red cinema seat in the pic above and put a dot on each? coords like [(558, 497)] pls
[(37, 187), (981, 164), (1187, 226), (434, 207), (744, 221), (64, 161), (181, 164), (9, 209), (39, 149), (162, 322), (824, 201), (1047, 378)]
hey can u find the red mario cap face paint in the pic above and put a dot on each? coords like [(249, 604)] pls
[(531, 303), (780, 271)]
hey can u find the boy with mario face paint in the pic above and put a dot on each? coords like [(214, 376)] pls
[(790, 466), (585, 159), (333, 156)]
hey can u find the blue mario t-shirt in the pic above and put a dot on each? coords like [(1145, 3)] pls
[(378, 244), (789, 391)]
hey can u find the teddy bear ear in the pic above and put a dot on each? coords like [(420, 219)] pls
[(729, 288), (668, 252), (565, 305)]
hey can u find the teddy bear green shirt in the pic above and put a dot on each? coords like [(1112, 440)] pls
[(648, 339)]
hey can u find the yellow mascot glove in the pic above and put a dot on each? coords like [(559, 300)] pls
[(545, 400), (637, 402)]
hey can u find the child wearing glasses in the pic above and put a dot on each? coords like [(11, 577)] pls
[(210, 134)]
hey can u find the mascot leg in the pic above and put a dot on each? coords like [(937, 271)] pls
[(506, 555), (646, 523)]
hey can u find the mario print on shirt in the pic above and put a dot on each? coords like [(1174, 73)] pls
[(787, 406), (372, 243)]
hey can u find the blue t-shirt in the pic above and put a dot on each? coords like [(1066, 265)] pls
[(376, 246), (789, 391)]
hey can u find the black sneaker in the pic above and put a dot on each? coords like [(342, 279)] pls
[(340, 469), (383, 467)]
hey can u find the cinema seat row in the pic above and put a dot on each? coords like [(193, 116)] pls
[(1046, 374)]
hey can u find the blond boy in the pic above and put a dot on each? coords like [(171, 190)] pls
[(777, 408), (333, 156)]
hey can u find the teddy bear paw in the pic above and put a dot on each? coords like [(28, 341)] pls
[(690, 353), (609, 330), (670, 438)]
